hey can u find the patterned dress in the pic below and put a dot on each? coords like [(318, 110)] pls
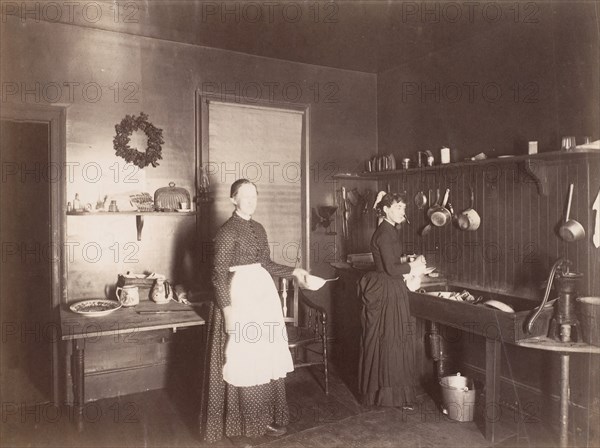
[(387, 351), (230, 411)]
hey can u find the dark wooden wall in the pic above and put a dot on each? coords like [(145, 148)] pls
[(512, 252), (517, 242)]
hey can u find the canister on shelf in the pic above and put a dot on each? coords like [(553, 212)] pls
[(445, 155)]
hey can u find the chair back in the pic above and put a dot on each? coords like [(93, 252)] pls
[(288, 290)]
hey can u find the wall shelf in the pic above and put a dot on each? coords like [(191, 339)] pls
[(139, 217), (534, 164)]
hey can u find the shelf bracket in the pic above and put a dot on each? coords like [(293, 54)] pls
[(139, 225), (538, 171)]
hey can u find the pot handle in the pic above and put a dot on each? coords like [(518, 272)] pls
[(472, 196), (446, 197), (569, 202), (450, 209)]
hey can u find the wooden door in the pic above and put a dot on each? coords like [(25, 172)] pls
[(28, 330)]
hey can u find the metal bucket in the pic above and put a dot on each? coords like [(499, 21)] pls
[(589, 319), (458, 396)]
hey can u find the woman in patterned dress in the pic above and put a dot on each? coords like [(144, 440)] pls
[(387, 357), (249, 355)]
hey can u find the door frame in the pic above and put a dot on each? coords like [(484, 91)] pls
[(56, 118), (202, 153)]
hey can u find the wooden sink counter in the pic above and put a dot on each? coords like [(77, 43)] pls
[(480, 319)]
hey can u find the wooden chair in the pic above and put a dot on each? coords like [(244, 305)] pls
[(306, 324)]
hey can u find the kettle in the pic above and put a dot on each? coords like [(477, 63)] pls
[(161, 291)]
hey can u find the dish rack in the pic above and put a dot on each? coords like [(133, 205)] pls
[(143, 202)]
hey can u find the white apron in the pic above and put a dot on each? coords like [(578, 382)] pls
[(257, 351)]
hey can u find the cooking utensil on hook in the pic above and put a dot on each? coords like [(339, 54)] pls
[(420, 200), (367, 195), (571, 230), (469, 219), (440, 216), (596, 207), (345, 213), (353, 196), (433, 206), (425, 230)]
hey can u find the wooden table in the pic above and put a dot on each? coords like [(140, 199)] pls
[(77, 328)]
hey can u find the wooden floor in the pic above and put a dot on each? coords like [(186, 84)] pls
[(168, 418)]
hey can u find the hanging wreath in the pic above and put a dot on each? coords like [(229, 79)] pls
[(128, 125)]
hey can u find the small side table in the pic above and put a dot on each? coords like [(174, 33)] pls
[(565, 349)]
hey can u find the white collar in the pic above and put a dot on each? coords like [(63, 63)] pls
[(391, 222), (245, 217)]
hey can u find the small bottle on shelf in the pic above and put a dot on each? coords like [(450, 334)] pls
[(76, 203), (69, 207)]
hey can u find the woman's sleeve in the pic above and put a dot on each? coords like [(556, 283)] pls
[(224, 247), (392, 266), (265, 258)]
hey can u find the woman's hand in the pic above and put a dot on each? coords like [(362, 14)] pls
[(418, 266), (301, 275)]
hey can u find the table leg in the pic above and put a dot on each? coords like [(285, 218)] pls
[(564, 400), (493, 356), (77, 373)]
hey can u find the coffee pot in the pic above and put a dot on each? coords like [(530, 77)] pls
[(161, 290)]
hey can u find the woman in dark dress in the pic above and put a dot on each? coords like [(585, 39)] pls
[(387, 355), (248, 351)]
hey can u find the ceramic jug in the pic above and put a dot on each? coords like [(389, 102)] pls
[(129, 295)]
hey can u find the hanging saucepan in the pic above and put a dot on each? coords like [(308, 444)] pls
[(571, 230), (425, 230), (441, 215), (469, 219), (420, 200), (433, 205)]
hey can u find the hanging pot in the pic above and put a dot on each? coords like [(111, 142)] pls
[(434, 205), (469, 219), (441, 215), (420, 200), (425, 230), (571, 230)]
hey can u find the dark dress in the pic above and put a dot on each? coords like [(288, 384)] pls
[(229, 411), (387, 350)]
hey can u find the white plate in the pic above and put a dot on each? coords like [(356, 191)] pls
[(314, 283), (95, 307), (499, 306), (443, 294), (183, 211)]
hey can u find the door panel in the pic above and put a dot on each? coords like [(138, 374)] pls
[(26, 276)]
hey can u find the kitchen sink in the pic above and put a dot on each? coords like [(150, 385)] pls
[(478, 318)]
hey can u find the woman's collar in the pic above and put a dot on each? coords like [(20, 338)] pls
[(393, 224), (244, 217)]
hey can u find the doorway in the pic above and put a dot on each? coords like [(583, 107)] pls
[(30, 221)]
